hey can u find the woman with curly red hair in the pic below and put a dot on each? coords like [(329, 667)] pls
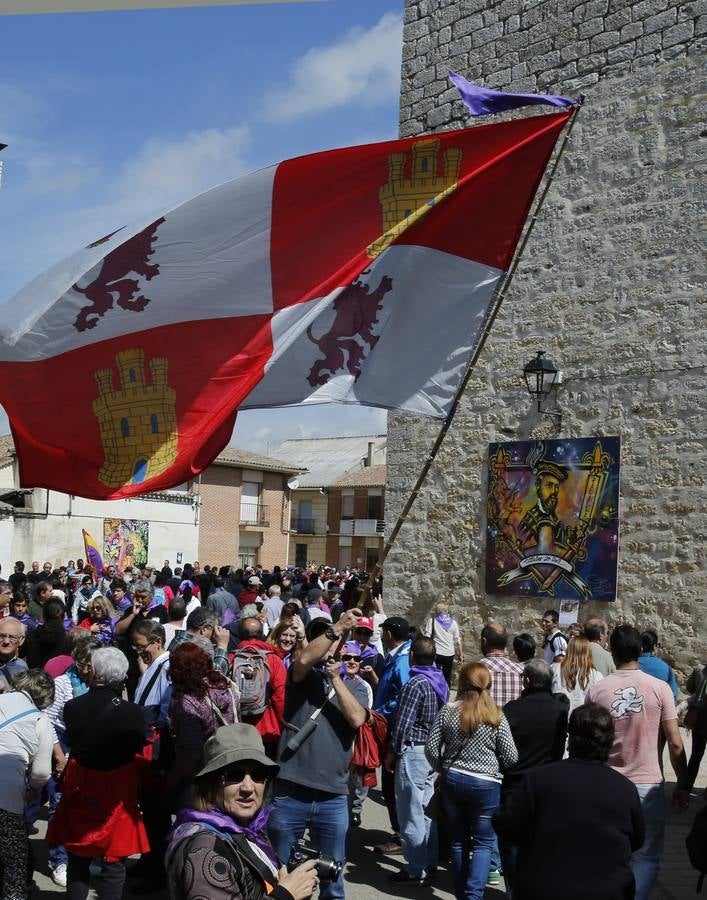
[(202, 700)]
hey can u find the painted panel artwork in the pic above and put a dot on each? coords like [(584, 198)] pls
[(553, 518), (125, 542)]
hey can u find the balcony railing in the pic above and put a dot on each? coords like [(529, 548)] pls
[(254, 514), (362, 527), (304, 526)]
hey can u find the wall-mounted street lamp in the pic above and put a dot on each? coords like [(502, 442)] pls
[(542, 379)]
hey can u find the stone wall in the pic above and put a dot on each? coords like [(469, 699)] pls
[(611, 286)]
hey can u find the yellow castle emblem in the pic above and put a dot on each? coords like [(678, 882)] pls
[(405, 201), (138, 422)]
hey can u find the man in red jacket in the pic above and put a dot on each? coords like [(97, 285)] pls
[(269, 722)]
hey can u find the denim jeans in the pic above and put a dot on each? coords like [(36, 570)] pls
[(357, 793), (414, 783), (469, 803), (296, 808), (646, 861)]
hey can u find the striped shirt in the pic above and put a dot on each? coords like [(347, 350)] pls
[(506, 678)]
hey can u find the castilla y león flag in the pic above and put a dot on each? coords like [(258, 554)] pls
[(362, 275)]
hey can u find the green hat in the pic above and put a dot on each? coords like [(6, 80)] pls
[(547, 467), (235, 743)]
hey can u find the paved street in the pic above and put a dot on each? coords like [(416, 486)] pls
[(367, 872)]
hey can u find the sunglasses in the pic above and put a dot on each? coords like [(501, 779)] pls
[(348, 657), (237, 774)]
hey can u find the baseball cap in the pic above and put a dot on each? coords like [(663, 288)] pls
[(314, 594), (365, 622), (254, 581), (398, 627)]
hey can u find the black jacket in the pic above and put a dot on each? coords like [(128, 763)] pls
[(538, 724), (575, 824), (103, 731), (46, 642)]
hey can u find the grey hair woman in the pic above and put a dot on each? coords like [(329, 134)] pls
[(98, 817)]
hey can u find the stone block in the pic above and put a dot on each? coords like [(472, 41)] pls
[(574, 50), (439, 116), (661, 21), (467, 25), (604, 40), (634, 30), (591, 27), (678, 34), (485, 36)]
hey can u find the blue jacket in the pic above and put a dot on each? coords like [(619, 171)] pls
[(396, 673), (658, 668)]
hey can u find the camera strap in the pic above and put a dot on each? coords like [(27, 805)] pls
[(315, 715)]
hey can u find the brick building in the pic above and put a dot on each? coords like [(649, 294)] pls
[(326, 460), (356, 518), (245, 510)]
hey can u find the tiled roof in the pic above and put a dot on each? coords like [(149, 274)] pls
[(234, 456), (328, 459), (369, 476)]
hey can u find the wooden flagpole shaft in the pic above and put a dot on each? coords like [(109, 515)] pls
[(491, 318)]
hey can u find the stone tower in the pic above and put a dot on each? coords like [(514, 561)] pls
[(138, 421), (611, 285)]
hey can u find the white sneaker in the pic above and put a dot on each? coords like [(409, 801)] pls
[(59, 875)]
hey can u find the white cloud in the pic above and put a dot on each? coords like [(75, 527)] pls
[(167, 172), (163, 173), (363, 67)]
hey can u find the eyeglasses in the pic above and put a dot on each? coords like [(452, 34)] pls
[(13, 638), (237, 774), (348, 657), (140, 647)]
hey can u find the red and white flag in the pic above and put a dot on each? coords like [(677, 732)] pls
[(362, 275)]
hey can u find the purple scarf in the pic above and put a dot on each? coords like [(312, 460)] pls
[(444, 620), (435, 678), (223, 823)]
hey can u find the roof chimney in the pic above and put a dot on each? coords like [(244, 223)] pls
[(368, 462)]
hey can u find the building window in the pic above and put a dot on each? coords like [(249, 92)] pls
[(250, 503), (154, 424), (125, 428), (131, 375), (301, 556), (305, 517), (424, 164), (347, 505), (375, 507)]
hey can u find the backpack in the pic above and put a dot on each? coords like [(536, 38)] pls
[(696, 843), (252, 677), (556, 636)]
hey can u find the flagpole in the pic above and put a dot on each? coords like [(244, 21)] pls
[(491, 318)]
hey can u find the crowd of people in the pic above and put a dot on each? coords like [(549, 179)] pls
[(226, 725)]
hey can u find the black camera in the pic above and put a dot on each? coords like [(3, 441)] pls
[(328, 869)]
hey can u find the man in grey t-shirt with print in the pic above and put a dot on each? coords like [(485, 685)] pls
[(312, 785)]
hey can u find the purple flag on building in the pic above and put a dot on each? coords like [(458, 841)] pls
[(481, 101)]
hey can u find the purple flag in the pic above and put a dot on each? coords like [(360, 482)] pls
[(481, 101)]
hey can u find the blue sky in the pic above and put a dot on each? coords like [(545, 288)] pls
[(111, 116)]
